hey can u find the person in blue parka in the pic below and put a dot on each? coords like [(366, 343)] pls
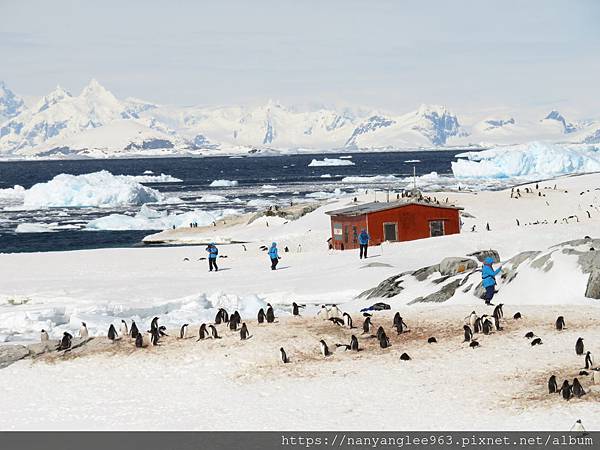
[(213, 253), (274, 255), (363, 240), (488, 275)]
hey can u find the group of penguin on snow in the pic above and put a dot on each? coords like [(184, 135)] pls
[(476, 325), (568, 390)]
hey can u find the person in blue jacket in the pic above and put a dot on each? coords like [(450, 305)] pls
[(273, 255), (213, 254), (488, 275), (363, 240)]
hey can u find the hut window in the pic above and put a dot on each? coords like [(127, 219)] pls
[(337, 231), (390, 231), (436, 228)]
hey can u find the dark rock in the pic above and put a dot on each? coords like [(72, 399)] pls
[(10, 354), (482, 254), (593, 285), (388, 288), (440, 296), (423, 273), (456, 265)]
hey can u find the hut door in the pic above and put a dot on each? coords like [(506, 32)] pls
[(390, 232)]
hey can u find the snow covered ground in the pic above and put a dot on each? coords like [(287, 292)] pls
[(447, 385)]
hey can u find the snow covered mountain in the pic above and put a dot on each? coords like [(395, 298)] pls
[(97, 124)]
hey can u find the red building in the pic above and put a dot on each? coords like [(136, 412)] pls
[(393, 221)]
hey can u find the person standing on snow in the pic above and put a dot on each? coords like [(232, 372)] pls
[(363, 240), (213, 253), (273, 255), (488, 275)]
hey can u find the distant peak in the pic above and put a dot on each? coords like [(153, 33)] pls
[(94, 87), (425, 110)]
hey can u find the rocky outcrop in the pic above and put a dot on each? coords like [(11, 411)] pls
[(454, 265), (423, 273), (593, 285), (389, 287), (10, 354), (482, 254), (440, 296)]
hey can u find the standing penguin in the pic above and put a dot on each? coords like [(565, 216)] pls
[(44, 338), (478, 328), (270, 314), (219, 317), (283, 356), (83, 331), (354, 343), (324, 349), (577, 388), (472, 319), (517, 316), (552, 386), (261, 315), (202, 332), (560, 323), (589, 364), (579, 346), (323, 313), (498, 311), (295, 309), (233, 323), (244, 332), (348, 320), (183, 331), (468, 333), (384, 341), (380, 332), (139, 340), (399, 323), (112, 333), (334, 311), (486, 327), (565, 390), (367, 325), (213, 332), (134, 330), (124, 329), (154, 324)]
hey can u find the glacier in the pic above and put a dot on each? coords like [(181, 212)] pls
[(97, 189), (532, 160)]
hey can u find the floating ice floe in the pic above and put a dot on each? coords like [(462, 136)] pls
[(34, 228), (330, 162), (223, 183), (373, 179), (212, 198), (149, 178), (533, 160), (151, 219), (98, 189), (326, 175)]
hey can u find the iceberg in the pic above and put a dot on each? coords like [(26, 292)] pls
[(33, 228), (150, 178), (16, 193), (330, 162), (212, 198), (151, 219), (223, 183), (533, 160), (97, 189)]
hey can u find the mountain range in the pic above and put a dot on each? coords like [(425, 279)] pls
[(95, 123)]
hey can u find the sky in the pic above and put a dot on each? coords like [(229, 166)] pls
[(389, 55)]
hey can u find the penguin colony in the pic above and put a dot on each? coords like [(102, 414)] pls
[(474, 324)]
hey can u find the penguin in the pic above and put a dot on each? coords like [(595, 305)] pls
[(233, 323), (565, 390), (468, 333), (560, 323), (213, 332), (224, 315), (405, 357), (244, 332), (578, 427), (578, 390), (324, 348), (478, 328), (384, 341), (536, 341), (579, 346), (202, 332), (162, 330), (517, 316), (139, 340), (295, 309), (154, 324), (270, 314), (124, 330), (486, 327), (219, 317), (323, 313), (83, 331), (583, 373), (366, 314), (112, 333), (399, 323), (65, 342), (261, 315), (134, 330), (529, 335), (354, 343), (474, 344), (552, 386), (334, 311), (44, 338), (497, 323), (367, 325), (344, 346), (183, 331), (283, 356), (380, 332), (348, 320), (432, 340), (154, 337), (498, 311), (588, 360)]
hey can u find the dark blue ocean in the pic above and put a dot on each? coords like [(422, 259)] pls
[(291, 174)]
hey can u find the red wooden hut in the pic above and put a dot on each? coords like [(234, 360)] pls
[(393, 221)]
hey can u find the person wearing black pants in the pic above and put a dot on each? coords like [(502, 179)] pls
[(274, 255), (363, 250), (213, 253), (363, 240)]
